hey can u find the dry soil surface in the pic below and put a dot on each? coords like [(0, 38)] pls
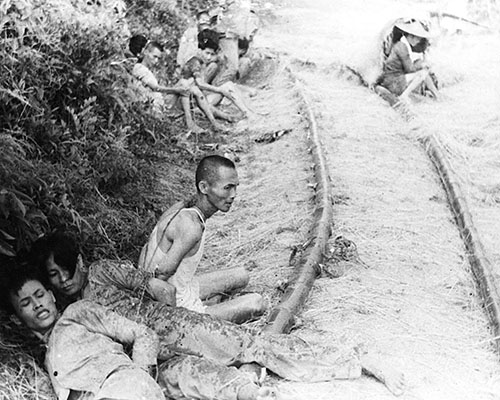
[(409, 294)]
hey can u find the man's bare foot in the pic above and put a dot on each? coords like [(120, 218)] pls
[(195, 129), (267, 393), (393, 379)]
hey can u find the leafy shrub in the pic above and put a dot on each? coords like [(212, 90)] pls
[(78, 150)]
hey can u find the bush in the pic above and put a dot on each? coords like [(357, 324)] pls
[(79, 152)]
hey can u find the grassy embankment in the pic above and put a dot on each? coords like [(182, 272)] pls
[(78, 151)]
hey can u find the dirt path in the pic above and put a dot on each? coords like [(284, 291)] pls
[(416, 300)]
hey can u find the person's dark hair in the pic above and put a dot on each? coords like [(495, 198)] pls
[(202, 12), (397, 34), (136, 44), (13, 279), (243, 44), (208, 167), (62, 246), (208, 38), (421, 46)]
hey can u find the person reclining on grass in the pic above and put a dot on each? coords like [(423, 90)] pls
[(85, 355), (214, 342), (401, 75), (135, 294), (149, 54), (176, 245)]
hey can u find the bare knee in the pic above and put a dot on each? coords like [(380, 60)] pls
[(422, 74)]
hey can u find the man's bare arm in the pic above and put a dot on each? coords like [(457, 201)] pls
[(184, 234), (165, 89), (162, 291), (211, 88)]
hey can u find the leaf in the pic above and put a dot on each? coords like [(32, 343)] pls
[(6, 249), (6, 236), (18, 204), (17, 96)]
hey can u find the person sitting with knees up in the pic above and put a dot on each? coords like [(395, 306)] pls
[(164, 99), (175, 246), (202, 69), (401, 75)]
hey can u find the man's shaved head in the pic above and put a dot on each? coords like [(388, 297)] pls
[(208, 168)]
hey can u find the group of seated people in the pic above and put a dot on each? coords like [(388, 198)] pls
[(212, 56), (117, 331), (405, 69)]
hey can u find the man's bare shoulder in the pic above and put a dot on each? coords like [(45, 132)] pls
[(186, 224)]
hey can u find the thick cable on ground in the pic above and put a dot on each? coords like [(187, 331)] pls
[(486, 279), (281, 318)]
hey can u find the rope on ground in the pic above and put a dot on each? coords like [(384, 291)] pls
[(487, 280), (281, 318), (484, 275)]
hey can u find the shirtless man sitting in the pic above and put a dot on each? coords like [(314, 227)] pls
[(167, 98), (176, 244), (202, 68)]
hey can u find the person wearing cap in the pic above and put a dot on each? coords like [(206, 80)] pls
[(401, 74)]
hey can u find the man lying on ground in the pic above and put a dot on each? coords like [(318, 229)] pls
[(175, 246), (85, 354), (86, 360), (131, 293)]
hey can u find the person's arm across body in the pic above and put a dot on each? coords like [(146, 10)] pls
[(183, 235), (99, 319), (147, 78), (215, 89), (404, 56), (123, 275)]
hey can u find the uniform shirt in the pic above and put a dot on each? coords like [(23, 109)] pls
[(85, 347), (146, 79)]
